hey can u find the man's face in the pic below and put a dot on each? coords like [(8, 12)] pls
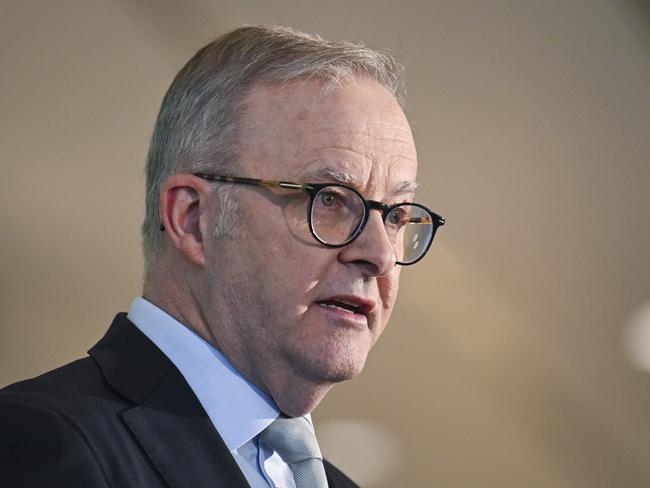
[(286, 305)]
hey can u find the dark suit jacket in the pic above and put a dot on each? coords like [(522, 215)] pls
[(123, 417)]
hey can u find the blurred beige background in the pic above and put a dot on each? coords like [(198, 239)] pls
[(519, 352)]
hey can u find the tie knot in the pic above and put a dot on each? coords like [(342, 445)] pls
[(292, 439)]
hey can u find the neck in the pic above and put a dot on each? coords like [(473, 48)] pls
[(296, 396), (175, 297)]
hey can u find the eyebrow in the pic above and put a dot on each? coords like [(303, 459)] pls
[(330, 174), (408, 187)]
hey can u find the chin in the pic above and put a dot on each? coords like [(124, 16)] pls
[(344, 373), (335, 366), (329, 356)]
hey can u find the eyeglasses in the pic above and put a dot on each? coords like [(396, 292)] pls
[(337, 214)]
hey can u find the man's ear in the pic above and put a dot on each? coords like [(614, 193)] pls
[(184, 209)]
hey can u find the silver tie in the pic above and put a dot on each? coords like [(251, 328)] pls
[(294, 441)]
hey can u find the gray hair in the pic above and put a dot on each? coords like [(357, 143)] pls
[(198, 124)]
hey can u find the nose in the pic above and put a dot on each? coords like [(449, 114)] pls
[(372, 250)]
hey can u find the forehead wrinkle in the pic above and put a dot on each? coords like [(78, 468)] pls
[(400, 135), (372, 152), (367, 137)]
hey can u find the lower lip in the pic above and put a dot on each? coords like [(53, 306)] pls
[(351, 318)]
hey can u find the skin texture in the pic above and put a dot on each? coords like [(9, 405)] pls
[(254, 295)]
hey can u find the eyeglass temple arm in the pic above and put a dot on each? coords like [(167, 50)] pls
[(254, 182), (251, 181)]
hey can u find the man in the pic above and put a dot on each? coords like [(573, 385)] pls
[(280, 182)]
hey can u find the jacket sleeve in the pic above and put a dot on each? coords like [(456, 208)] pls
[(40, 447)]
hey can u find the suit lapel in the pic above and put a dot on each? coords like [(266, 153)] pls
[(180, 439), (167, 419), (336, 479)]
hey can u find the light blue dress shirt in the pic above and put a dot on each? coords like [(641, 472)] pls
[(237, 408)]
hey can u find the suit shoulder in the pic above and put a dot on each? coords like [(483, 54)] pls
[(41, 444), (77, 375), (71, 390)]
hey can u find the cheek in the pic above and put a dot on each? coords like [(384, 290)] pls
[(388, 288), (291, 273)]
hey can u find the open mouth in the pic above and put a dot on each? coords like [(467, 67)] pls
[(341, 305), (351, 304)]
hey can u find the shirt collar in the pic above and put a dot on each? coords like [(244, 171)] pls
[(237, 408)]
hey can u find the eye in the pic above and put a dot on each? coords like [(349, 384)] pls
[(327, 199), (396, 217), (332, 198)]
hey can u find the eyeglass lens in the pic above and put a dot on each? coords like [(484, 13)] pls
[(338, 212)]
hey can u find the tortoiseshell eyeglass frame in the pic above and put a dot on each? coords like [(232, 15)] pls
[(314, 188)]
